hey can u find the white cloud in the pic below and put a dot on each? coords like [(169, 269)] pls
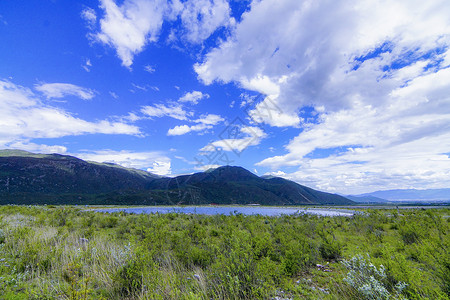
[(180, 130), (60, 90), (204, 122), (200, 18), (209, 119), (277, 174), (37, 148), (206, 167), (90, 17), (131, 117), (87, 65), (23, 116), (140, 87), (374, 72), (242, 138), (399, 145), (193, 97), (114, 95), (288, 50), (161, 110), (150, 69), (3, 21), (267, 111), (154, 162), (131, 26)]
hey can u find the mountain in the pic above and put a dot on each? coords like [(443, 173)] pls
[(28, 178), (366, 199), (236, 185), (412, 195)]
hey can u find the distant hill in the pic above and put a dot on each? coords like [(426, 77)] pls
[(412, 195), (366, 199), (28, 178)]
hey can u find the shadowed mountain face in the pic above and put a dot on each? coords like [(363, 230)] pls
[(27, 178)]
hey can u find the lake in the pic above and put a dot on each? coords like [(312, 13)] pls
[(228, 210)]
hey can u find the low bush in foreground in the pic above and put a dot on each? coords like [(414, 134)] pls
[(67, 253)]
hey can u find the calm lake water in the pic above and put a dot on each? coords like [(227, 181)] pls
[(227, 210)]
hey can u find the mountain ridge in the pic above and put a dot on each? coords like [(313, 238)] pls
[(28, 178), (411, 194)]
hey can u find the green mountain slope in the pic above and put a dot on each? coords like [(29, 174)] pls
[(27, 178)]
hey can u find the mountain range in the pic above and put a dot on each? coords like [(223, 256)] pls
[(28, 178), (405, 195)]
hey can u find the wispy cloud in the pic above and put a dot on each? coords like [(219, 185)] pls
[(160, 110), (144, 88), (36, 148), (61, 90), (239, 140), (87, 65), (154, 162), (193, 97), (150, 69), (3, 21), (114, 95), (23, 116), (90, 17), (200, 18), (140, 87), (204, 122)]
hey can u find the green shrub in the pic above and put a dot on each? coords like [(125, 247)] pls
[(330, 249), (2, 236)]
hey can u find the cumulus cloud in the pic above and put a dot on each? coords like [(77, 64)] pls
[(302, 53), (160, 110), (182, 129), (193, 97), (204, 122), (402, 145), (375, 72), (23, 116), (129, 27), (154, 162)]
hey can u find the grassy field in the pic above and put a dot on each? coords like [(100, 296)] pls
[(67, 253)]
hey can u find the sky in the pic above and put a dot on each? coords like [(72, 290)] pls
[(342, 96)]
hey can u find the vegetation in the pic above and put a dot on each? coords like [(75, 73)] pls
[(67, 253)]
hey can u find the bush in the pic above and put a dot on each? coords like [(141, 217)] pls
[(2, 236), (330, 249), (369, 280)]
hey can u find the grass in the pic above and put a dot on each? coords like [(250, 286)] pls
[(67, 253)]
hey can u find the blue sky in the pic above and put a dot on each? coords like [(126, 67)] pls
[(338, 96)]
